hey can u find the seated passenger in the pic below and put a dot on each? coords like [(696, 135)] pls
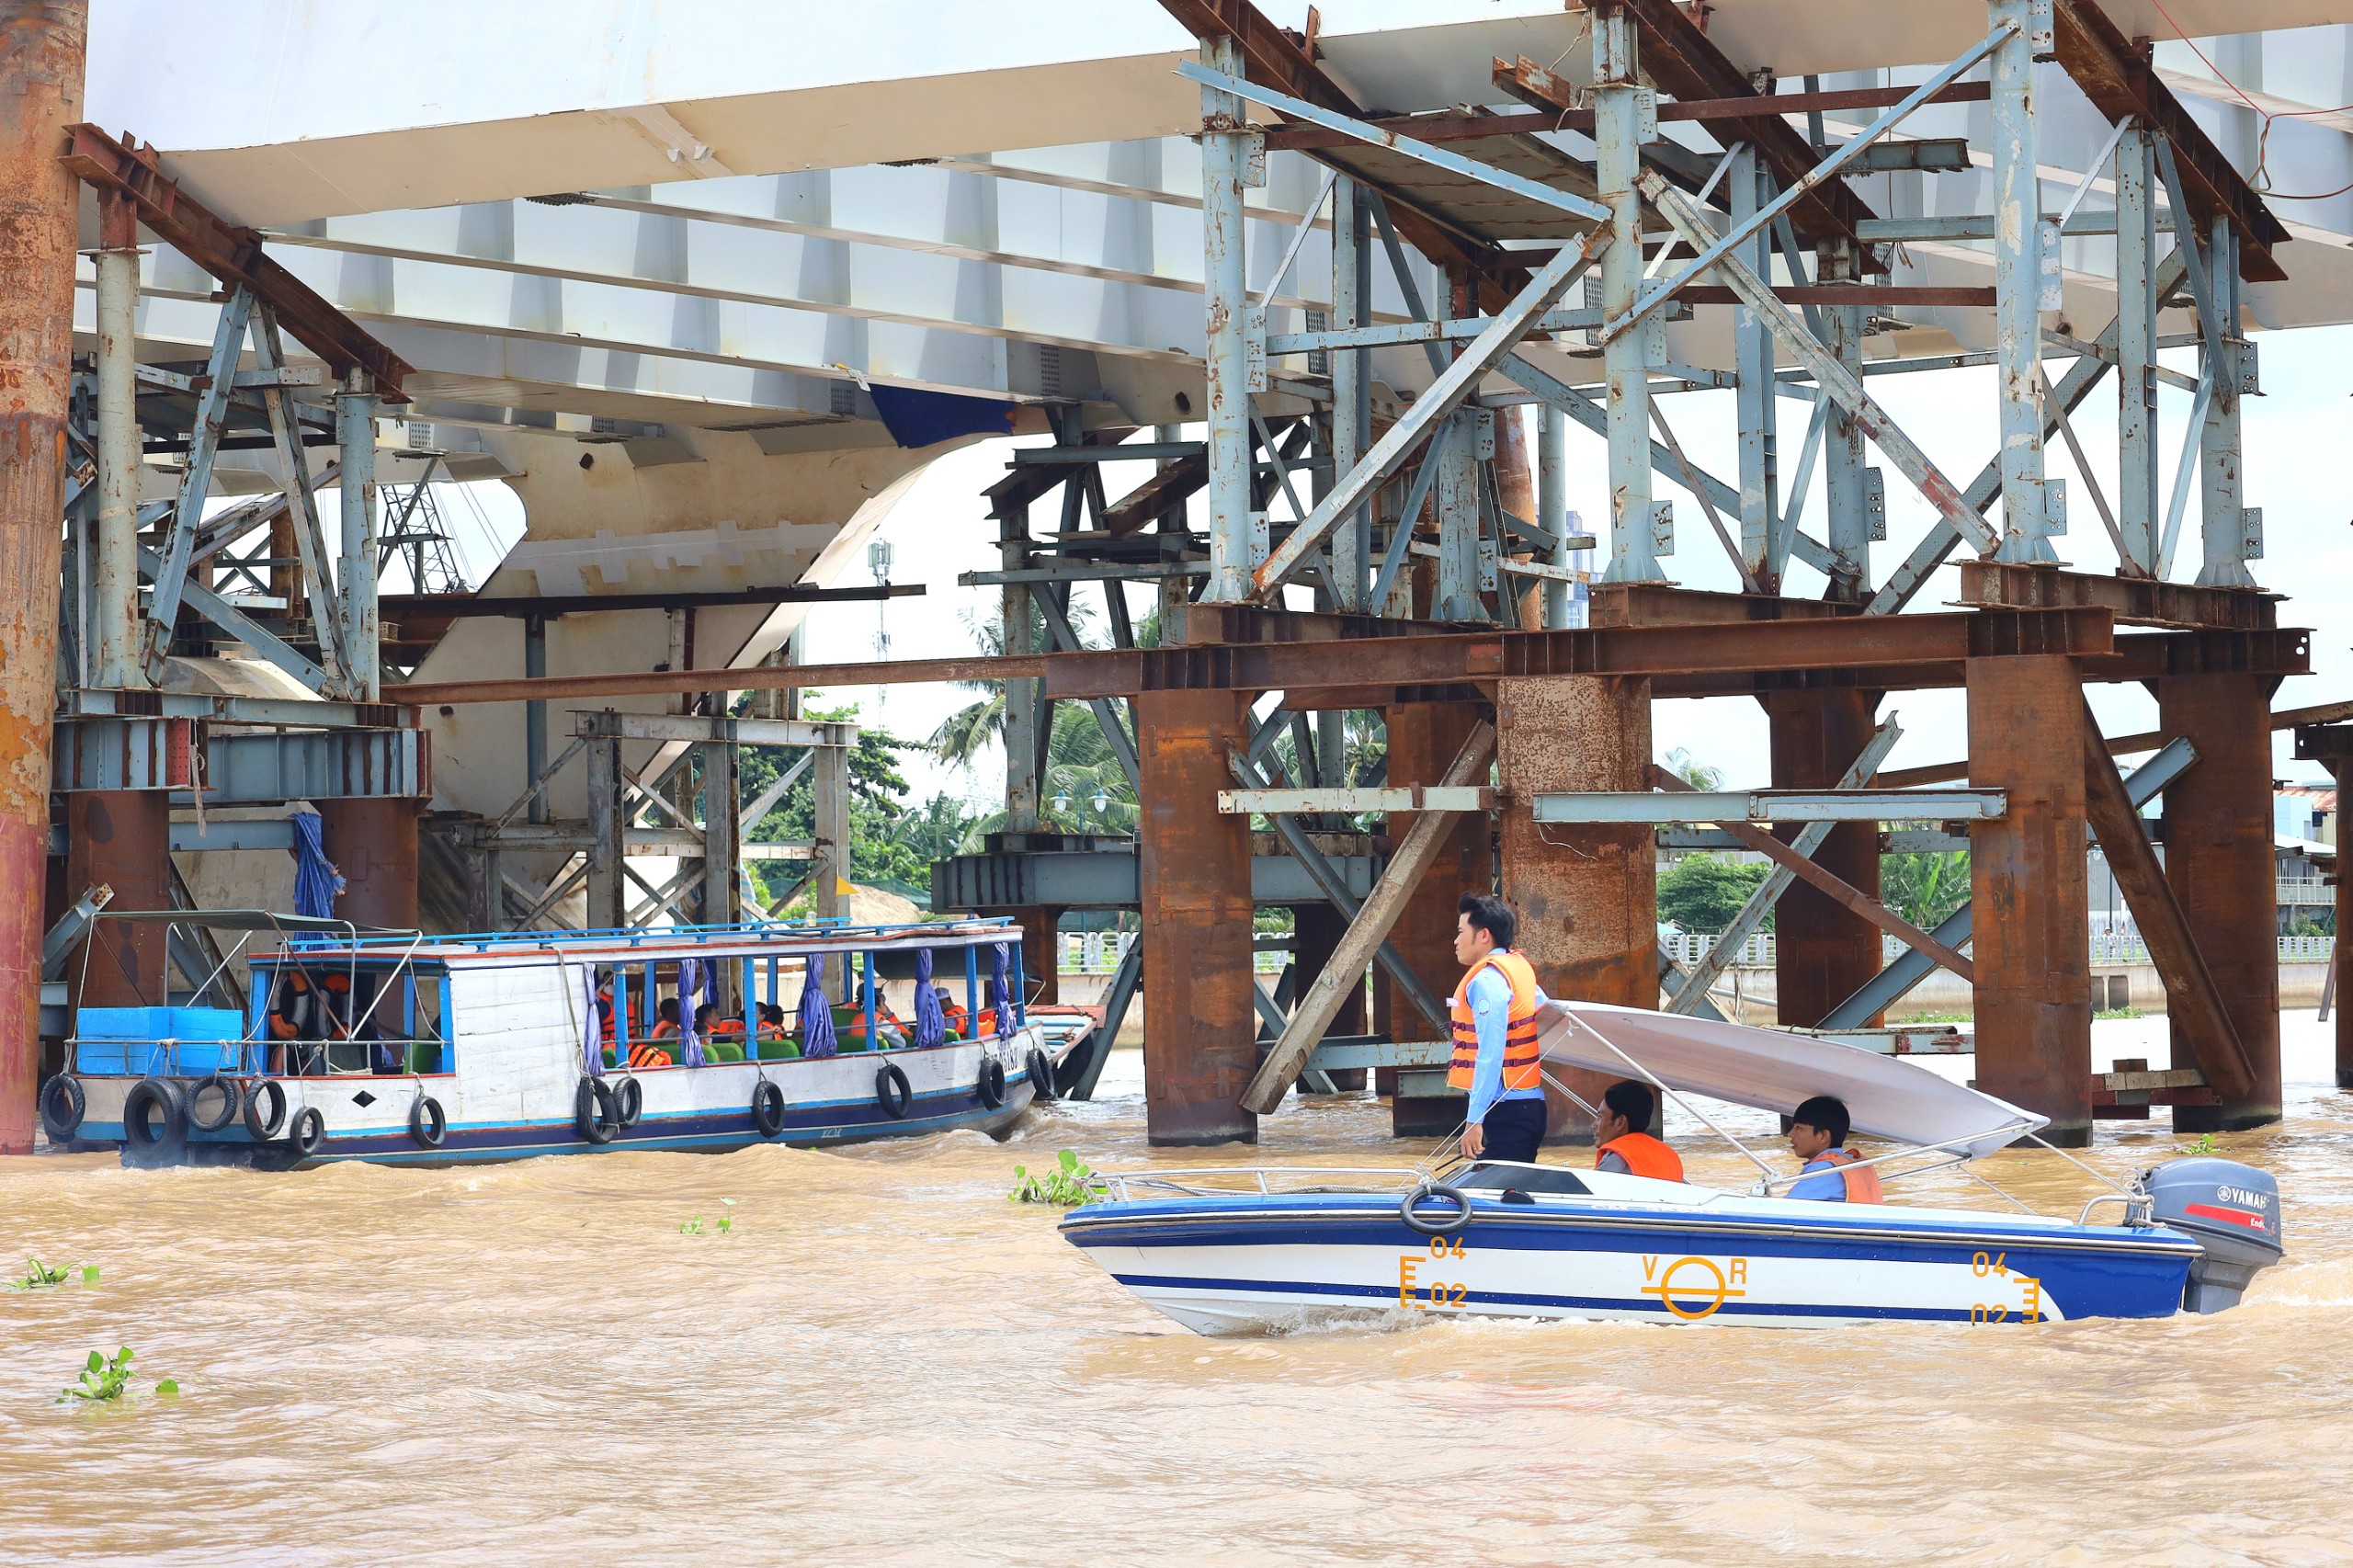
[(772, 1024), (295, 1014), (1621, 1143), (666, 1019), (723, 1038), (1818, 1136)]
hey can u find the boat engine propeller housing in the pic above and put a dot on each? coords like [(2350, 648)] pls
[(2231, 1210)]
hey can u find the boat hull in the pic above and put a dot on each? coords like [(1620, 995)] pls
[(1230, 1265)]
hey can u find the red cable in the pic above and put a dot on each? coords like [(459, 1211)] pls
[(2268, 115)]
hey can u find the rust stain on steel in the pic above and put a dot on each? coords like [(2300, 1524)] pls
[(1423, 739), (758, 678), (372, 842), (2032, 937), (1823, 952), (41, 47), (2220, 862)]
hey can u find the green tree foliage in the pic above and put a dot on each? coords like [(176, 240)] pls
[(1084, 789), (893, 845), (1696, 773), (1926, 890), (1701, 892)]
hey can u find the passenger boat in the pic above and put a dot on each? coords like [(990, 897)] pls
[(1257, 1251), (359, 1044)]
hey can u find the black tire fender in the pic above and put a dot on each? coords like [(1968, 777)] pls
[(767, 1108), (991, 1085), (427, 1122), (155, 1121), (64, 1102), (593, 1112), (261, 1124), (307, 1130), (892, 1092), (628, 1102), (1408, 1210), (1041, 1073), (232, 1102)]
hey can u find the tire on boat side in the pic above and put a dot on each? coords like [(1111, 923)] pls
[(264, 1124), (155, 1123), (628, 1102), (767, 1108), (1042, 1074), (307, 1132), (63, 1102), (1416, 1222), (593, 1112), (991, 1086), (427, 1122), (891, 1090), (232, 1102)]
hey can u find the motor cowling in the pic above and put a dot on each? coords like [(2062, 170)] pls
[(2231, 1210)]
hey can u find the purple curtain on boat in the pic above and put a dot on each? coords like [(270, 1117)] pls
[(1001, 989), (316, 881), (690, 1043), (592, 1045), (816, 1011), (931, 1019)]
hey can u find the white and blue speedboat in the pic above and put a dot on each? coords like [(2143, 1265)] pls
[(350, 1044), (1257, 1251)]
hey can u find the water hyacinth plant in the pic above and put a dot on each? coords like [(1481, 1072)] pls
[(39, 1277), (1069, 1184)]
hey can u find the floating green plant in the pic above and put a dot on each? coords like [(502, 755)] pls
[(38, 1276), (1069, 1184)]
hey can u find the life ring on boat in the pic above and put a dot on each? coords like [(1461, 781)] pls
[(307, 1132), (233, 1100), (63, 1103), (154, 1122), (891, 1090), (427, 1122), (767, 1108), (1041, 1073), (593, 1112), (628, 1102), (1408, 1212), (264, 1123), (991, 1086)]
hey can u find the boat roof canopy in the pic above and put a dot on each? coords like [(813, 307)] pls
[(1886, 1096), (249, 920)]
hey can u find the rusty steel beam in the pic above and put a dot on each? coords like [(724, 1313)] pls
[(1650, 604), (1823, 953), (2134, 601), (373, 843), (1261, 623), (756, 677), (1840, 891), (1424, 738), (41, 47), (2159, 654), (2122, 83), (1450, 127), (2124, 746), (122, 838), (1964, 295), (231, 253), (2193, 1005), (1152, 500), (2334, 745)]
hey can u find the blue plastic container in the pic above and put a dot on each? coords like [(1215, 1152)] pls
[(135, 1041)]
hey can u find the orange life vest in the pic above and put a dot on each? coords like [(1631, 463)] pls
[(664, 1029), (727, 1029), (1862, 1186), (605, 1007), (643, 1054), (1645, 1156), (1521, 1068)]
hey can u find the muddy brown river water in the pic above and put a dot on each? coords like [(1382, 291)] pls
[(884, 1362)]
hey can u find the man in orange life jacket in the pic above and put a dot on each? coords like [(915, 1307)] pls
[(1621, 1139), (1818, 1136), (1494, 1035)]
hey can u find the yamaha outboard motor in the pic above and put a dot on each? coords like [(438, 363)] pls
[(2231, 1210)]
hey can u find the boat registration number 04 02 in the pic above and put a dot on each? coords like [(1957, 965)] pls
[(2029, 1308), (1414, 1294)]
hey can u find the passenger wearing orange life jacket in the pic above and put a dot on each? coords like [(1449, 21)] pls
[(1621, 1142), (1494, 1014), (1818, 1136), (665, 1025)]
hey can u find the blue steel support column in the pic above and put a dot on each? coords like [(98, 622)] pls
[(1845, 483), (1456, 490), (1351, 387), (1619, 104), (2221, 495), (355, 420), (2018, 286), (1226, 156), (2139, 492), (1752, 359), (1552, 505)]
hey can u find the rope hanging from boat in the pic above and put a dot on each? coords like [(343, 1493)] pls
[(690, 1052), (931, 1019), (816, 1011), (592, 1030), (316, 881), (1001, 990)]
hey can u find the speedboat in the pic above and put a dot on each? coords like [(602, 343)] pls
[(349, 1044), (1263, 1250)]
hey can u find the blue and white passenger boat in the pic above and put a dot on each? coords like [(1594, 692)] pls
[(357, 1044), (1255, 1251)]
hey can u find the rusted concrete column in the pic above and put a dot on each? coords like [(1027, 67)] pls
[(1587, 897), (1824, 950), (1516, 488), (2033, 950), (123, 838), (2220, 859), (1316, 932), (40, 93), (1423, 740), (1041, 953), (1201, 1031), (373, 844)]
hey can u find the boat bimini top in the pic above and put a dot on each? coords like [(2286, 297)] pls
[(1886, 1096)]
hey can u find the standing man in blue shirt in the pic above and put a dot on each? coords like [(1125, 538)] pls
[(1493, 1015)]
